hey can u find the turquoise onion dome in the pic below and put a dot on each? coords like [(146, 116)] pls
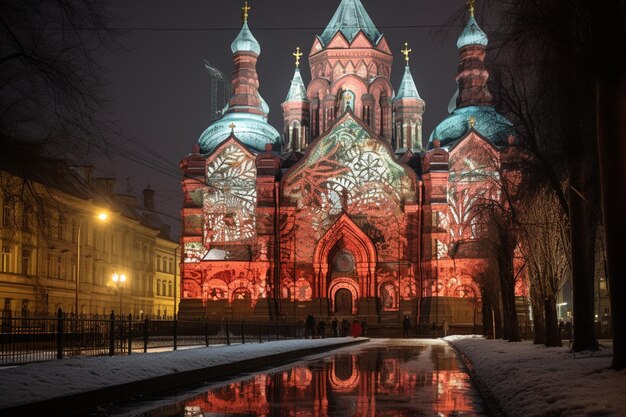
[(487, 122), (472, 35), (251, 129), (245, 41), (407, 86)]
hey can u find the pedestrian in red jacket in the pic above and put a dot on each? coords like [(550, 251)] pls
[(355, 329)]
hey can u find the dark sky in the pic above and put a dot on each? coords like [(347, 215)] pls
[(160, 87)]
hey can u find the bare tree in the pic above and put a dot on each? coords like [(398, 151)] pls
[(51, 87), (544, 230), (558, 47)]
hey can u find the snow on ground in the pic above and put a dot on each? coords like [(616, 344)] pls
[(533, 380), (35, 382)]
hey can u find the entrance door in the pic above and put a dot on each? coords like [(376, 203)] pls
[(343, 301)]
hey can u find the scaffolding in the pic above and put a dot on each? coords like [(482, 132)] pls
[(219, 92)]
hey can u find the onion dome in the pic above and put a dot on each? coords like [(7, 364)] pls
[(485, 120), (472, 35), (251, 129), (297, 91), (245, 41), (349, 19), (407, 86)]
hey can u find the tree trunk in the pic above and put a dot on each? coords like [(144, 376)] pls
[(611, 149), (583, 237), (539, 327), (507, 285), (553, 333)]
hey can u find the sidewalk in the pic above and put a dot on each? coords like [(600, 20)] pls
[(64, 387), (526, 380)]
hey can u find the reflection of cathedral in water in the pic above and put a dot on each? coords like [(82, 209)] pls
[(392, 381)]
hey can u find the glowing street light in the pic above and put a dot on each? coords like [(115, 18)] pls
[(118, 281), (102, 217)]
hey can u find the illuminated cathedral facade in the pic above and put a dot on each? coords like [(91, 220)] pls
[(347, 212)]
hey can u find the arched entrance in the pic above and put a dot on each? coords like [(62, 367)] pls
[(343, 301)]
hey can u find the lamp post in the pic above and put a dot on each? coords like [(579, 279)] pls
[(118, 281), (175, 276), (102, 217)]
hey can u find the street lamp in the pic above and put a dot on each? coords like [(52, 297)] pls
[(118, 281), (102, 217)]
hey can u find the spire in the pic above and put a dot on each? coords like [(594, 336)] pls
[(472, 73), (246, 113), (245, 41), (407, 86), (349, 19), (472, 34), (297, 91)]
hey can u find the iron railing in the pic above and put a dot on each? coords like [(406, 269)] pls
[(36, 339)]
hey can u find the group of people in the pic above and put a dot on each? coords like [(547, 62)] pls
[(313, 328)]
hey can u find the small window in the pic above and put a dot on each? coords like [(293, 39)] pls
[(61, 228), (158, 262), (26, 255), (158, 287), (6, 258), (7, 213), (59, 267), (27, 219)]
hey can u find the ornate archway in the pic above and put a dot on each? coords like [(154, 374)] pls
[(345, 237), (340, 288)]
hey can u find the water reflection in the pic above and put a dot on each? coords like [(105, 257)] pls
[(399, 378)]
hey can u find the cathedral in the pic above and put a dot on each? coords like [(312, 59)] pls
[(348, 211)]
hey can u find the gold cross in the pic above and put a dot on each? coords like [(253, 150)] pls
[(297, 54), (232, 128), (245, 9), (470, 3), (406, 51), (472, 122)]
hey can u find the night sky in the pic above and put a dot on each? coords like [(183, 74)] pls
[(160, 87)]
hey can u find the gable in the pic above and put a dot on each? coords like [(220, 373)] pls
[(349, 164), (360, 41), (383, 45), (338, 41)]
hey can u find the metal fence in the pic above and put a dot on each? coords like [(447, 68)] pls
[(36, 339)]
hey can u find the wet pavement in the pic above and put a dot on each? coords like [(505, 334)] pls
[(384, 377)]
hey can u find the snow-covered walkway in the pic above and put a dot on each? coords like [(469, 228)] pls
[(527, 380), (69, 385)]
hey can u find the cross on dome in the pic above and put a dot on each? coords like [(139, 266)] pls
[(406, 51), (470, 3), (232, 128), (245, 9), (297, 54)]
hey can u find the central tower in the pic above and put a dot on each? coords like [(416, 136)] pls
[(350, 68)]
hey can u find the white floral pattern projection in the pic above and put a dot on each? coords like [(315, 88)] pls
[(230, 197)]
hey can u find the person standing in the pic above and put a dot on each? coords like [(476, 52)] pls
[(445, 327), (355, 329), (321, 329), (406, 326), (345, 327), (334, 325), (309, 329)]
